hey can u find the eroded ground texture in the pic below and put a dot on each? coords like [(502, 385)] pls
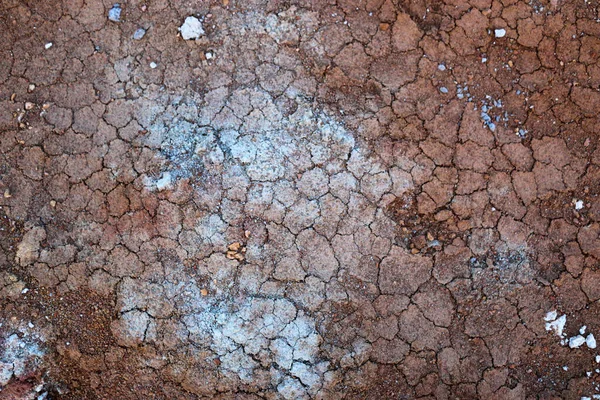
[(368, 199)]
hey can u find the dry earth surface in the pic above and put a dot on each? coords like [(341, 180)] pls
[(326, 199)]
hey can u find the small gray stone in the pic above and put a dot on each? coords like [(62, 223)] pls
[(114, 14), (139, 34)]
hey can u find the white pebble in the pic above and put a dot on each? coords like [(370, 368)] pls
[(191, 28), (582, 329), (558, 325), (576, 341), (48, 45), (590, 340), (579, 204), (499, 32), (114, 14), (139, 34), (153, 65)]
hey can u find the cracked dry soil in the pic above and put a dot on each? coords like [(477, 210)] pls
[(327, 199)]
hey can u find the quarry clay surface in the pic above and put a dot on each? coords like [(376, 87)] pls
[(367, 199)]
